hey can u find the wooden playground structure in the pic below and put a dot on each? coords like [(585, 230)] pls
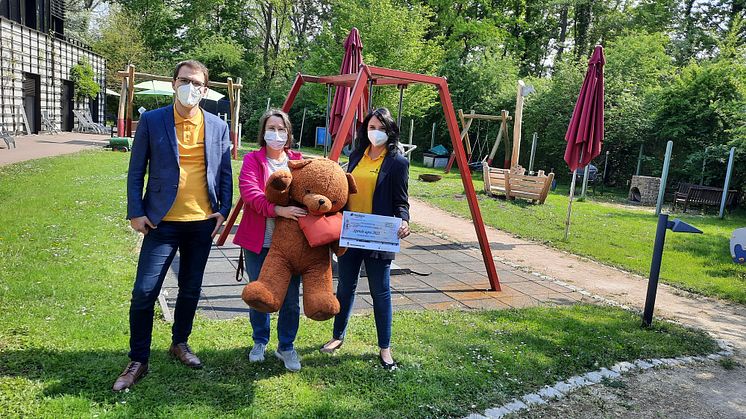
[(126, 102), (511, 180), (366, 78)]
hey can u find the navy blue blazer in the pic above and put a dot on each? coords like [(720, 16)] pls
[(155, 149), (391, 196)]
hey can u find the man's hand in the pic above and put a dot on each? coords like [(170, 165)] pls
[(142, 224), (219, 221), (403, 230)]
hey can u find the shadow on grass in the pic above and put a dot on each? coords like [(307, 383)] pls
[(452, 363)]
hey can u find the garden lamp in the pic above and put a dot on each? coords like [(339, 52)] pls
[(677, 226)]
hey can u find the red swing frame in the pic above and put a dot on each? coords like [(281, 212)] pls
[(385, 76)]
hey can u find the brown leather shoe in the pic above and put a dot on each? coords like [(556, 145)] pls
[(183, 353), (132, 374)]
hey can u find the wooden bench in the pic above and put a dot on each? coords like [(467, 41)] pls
[(515, 184), (689, 194)]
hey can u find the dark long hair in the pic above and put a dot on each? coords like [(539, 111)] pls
[(392, 130)]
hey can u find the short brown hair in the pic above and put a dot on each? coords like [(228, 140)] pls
[(194, 64), (263, 125)]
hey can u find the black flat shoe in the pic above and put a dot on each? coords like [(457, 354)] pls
[(330, 351), (389, 367)]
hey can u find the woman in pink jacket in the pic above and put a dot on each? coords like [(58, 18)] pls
[(254, 234)]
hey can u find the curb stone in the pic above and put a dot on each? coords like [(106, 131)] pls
[(562, 388)]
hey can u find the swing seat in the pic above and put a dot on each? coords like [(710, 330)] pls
[(494, 179), (532, 188), (516, 184)]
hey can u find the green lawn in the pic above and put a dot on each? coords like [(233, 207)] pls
[(67, 261), (605, 231)]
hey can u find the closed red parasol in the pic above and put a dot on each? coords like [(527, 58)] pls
[(585, 134), (350, 64)]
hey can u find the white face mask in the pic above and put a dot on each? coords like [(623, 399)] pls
[(377, 138), (276, 140), (188, 95)]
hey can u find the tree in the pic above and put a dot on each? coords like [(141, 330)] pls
[(703, 107), (393, 36), (118, 27), (81, 75), (223, 57)]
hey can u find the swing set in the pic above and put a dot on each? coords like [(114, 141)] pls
[(511, 180), (477, 155), (368, 77), (126, 102)]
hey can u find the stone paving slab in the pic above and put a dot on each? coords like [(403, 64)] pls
[(455, 278)]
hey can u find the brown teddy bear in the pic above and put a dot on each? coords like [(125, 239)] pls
[(322, 187)]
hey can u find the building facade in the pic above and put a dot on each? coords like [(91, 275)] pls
[(35, 62)]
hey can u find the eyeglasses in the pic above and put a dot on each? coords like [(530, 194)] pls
[(183, 80)]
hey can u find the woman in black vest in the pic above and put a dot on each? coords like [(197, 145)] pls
[(381, 173)]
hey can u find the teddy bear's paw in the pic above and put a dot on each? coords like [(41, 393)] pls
[(258, 297), (280, 181), (320, 308)]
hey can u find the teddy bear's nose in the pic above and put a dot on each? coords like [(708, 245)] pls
[(321, 202)]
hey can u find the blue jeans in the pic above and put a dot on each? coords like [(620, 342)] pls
[(378, 271), (193, 241), (287, 323)]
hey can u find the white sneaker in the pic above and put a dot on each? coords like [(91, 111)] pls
[(257, 352), (290, 359)]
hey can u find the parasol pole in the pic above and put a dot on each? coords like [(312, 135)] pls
[(585, 180), (572, 195)]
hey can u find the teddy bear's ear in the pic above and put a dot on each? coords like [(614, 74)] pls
[(351, 183), (297, 164)]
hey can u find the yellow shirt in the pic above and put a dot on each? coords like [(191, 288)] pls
[(366, 175), (192, 202)]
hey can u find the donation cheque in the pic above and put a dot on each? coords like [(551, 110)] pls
[(368, 231)]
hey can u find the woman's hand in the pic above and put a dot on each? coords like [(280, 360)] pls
[(403, 230), (291, 212)]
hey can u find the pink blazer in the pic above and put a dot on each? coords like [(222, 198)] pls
[(256, 207)]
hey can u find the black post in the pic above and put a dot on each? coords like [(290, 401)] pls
[(655, 269)]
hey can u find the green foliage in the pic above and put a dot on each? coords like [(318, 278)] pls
[(654, 91), (81, 75), (704, 107), (392, 35), (222, 56), (111, 44)]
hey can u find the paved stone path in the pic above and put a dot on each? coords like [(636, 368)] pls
[(29, 147), (456, 279)]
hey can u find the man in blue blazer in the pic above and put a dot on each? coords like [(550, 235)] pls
[(188, 194)]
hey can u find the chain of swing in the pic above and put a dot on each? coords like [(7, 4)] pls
[(481, 149)]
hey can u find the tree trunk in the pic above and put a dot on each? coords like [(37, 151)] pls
[(267, 10), (582, 25), (562, 34)]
